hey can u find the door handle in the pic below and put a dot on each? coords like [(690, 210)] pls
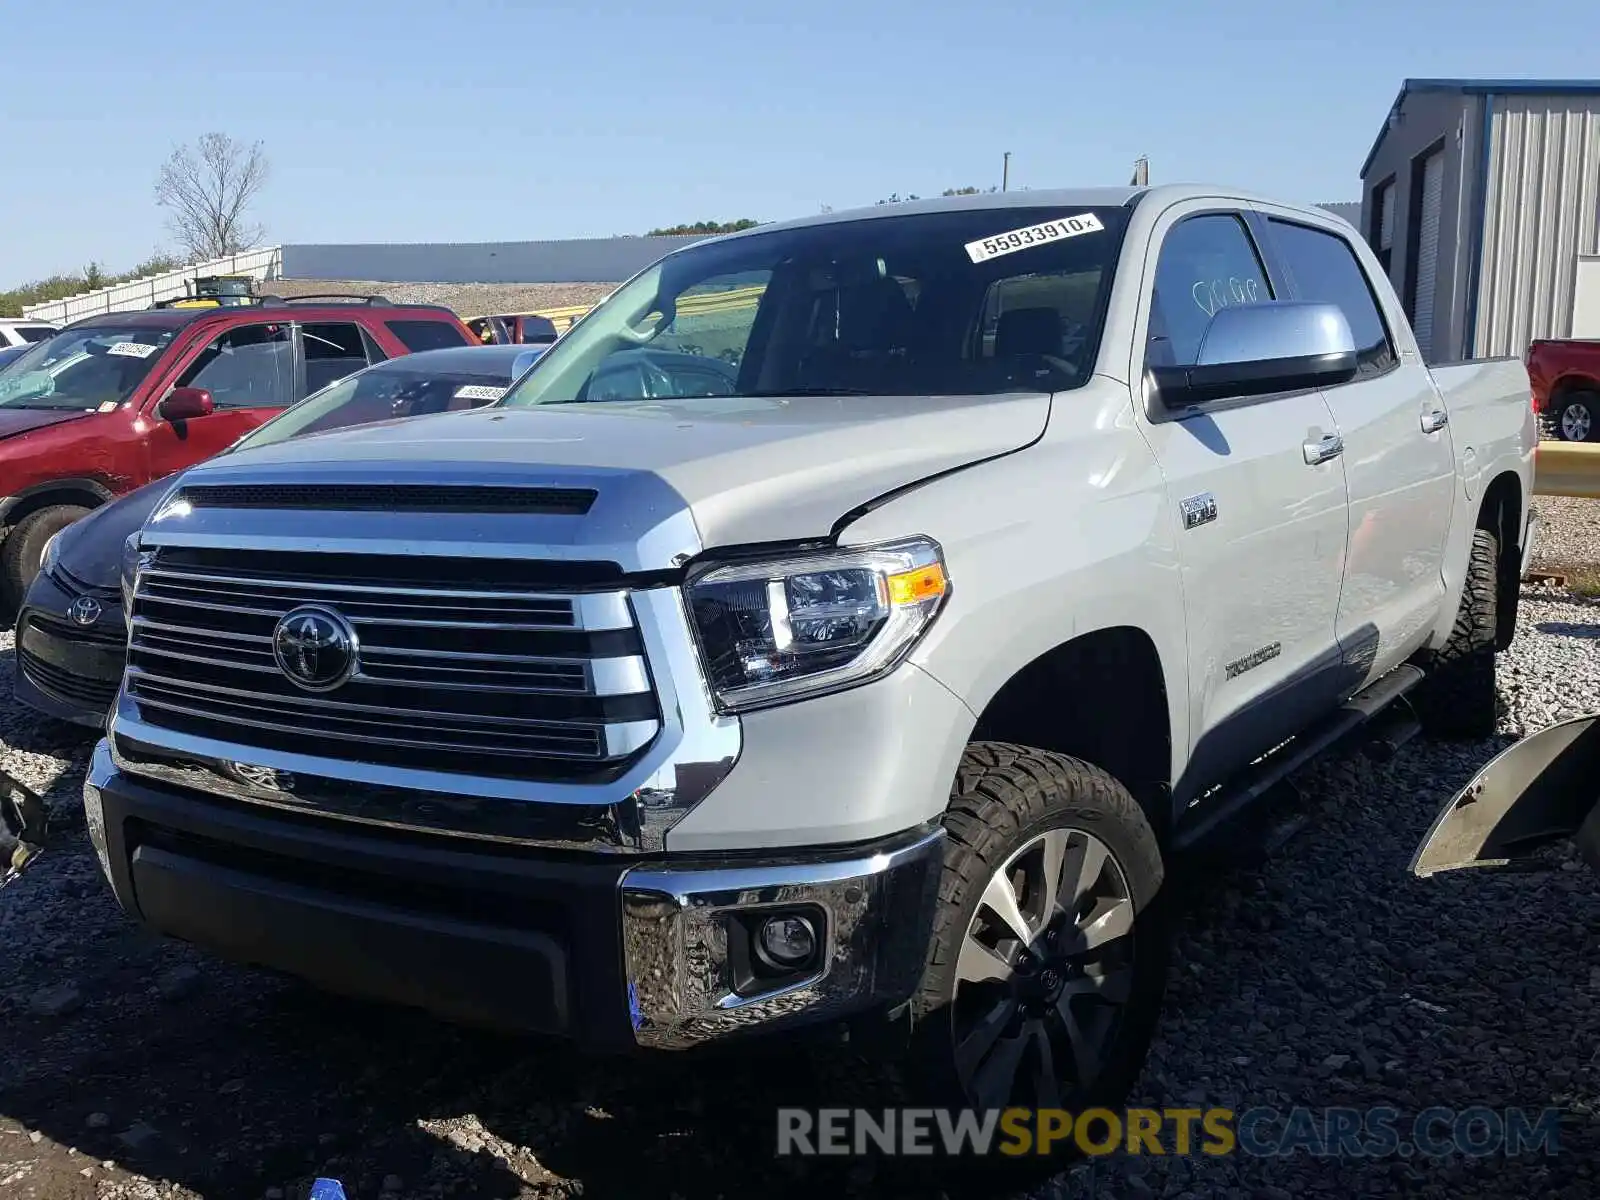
[(1434, 420), (1329, 447)]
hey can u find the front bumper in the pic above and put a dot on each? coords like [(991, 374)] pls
[(611, 953), (64, 669)]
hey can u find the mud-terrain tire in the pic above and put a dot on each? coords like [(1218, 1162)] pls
[(1022, 809), (1458, 700), (20, 553)]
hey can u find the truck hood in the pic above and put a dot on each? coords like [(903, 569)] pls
[(746, 470), (20, 420)]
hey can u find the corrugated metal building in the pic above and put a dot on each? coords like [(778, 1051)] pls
[(1480, 196)]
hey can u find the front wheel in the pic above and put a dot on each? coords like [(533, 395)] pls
[(1048, 958), (24, 547)]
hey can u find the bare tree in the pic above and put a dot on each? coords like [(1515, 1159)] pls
[(207, 189)]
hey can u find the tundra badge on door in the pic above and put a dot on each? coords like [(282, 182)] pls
[(1198, 510)]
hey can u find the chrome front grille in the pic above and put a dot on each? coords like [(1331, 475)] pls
[(484, 671)]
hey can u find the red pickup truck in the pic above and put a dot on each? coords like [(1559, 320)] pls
[(114, 401), (1566, 387)]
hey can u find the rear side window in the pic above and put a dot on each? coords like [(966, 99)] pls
[(1207, 262), (1324, 269), (34, 333), (333, 349), (426, 335)]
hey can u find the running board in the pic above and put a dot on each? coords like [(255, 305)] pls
[(1256, 780)]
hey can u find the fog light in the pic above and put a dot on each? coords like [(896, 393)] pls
[(787, 942)]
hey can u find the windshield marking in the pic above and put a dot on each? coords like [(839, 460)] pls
[(133, 350), (477, 391), (1032, 235)]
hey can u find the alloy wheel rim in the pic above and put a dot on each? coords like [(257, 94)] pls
[(1044, 972), (1575, 422)]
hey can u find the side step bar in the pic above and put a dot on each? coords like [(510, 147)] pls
[(1378, 699)]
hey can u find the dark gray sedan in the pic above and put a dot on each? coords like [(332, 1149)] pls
[(71, 633)]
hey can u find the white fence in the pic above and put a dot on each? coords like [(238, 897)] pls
[(266, 263)]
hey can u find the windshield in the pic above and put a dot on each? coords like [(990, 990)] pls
[(971, 302), (94, 368), (381, 394)]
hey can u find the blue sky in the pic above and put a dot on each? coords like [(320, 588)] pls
[(424, 120)]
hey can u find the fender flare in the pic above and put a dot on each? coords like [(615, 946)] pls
[(9, 504)]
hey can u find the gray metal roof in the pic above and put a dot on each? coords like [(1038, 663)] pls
[(1345, 210), (581, 260), (1479, 87)]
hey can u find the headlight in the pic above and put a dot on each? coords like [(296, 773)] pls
[(779, 629), (50, 553)]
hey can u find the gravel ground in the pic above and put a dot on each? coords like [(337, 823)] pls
[(1315, 974), (1569, 534)]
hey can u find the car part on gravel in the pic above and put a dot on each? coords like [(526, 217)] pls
[(23, 824), (1543, 789)]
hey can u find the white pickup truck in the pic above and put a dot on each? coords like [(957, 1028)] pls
[(1038, 533)]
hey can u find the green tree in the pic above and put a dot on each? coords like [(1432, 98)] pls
[(704, 227), (59, 287), (897, 198)]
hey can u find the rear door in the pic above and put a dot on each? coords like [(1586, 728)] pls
[(250, 371), (1399, 462), (329, 351), (1262, 529)]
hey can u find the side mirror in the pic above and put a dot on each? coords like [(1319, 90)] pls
[(1257, 349), (186, 403)]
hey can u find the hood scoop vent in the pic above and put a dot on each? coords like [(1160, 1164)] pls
[(394, 497)]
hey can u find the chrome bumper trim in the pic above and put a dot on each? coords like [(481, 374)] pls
[(878, 909), (693, 752)]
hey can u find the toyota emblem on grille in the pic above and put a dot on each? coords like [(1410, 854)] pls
[(85, 610), (315, 647)]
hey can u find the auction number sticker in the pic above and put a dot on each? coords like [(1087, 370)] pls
[(132, 350), (1034, 235), (478, 391)]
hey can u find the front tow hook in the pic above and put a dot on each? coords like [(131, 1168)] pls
[(23, 821)]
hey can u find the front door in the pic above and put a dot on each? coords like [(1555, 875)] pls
[(1398, 460), (249, 371), (1261, 526)]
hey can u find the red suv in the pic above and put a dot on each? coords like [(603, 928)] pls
[(115, 401)]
